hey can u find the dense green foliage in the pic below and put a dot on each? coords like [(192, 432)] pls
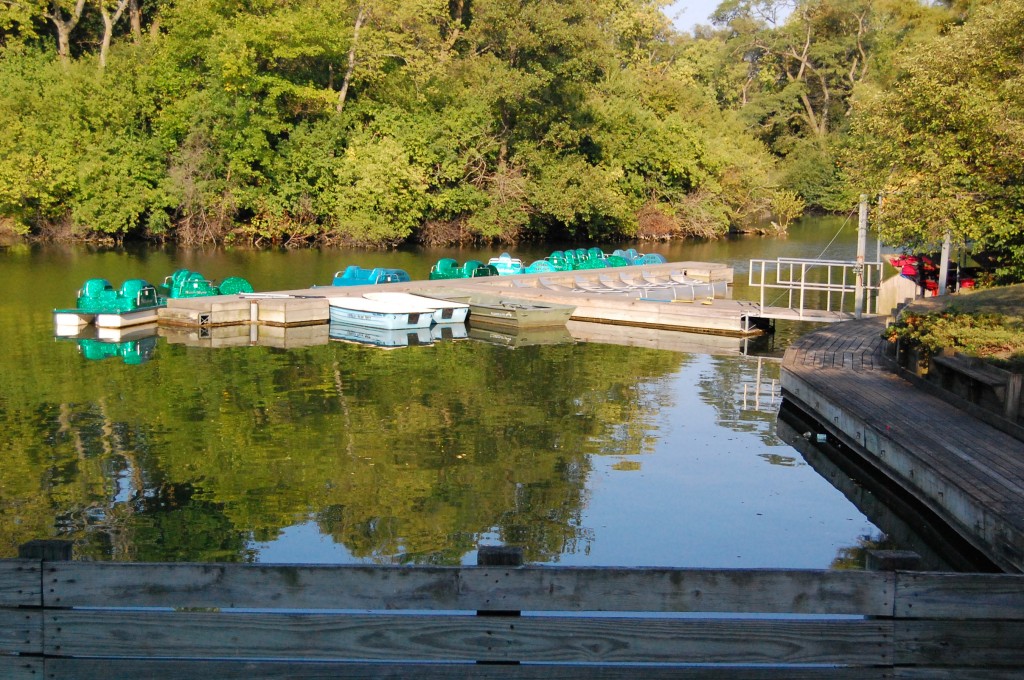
[(944, 143), (376, 122), (988, 324), (995, 337)]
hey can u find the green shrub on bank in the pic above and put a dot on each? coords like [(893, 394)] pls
[(996, 338)]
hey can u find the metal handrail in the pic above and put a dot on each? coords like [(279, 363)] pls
[(791, 274)]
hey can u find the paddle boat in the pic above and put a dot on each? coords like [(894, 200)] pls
[(358, 276), (99, 303), (507, 265), (386, 315), (445, 311), (592, 258), (133, 345), (187, 284), (447, 268), (924, 271)]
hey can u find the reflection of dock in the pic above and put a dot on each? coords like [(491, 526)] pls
[(905, 523), (214, 337), (654, 338)]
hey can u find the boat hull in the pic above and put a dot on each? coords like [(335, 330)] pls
[(445, 311), (379, 337), (501, 312), (377, 314), (71, 321), (135, 317)]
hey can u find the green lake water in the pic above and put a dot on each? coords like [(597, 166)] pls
[(580, 452)]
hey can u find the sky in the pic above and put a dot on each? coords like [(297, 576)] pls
[(688, 13)]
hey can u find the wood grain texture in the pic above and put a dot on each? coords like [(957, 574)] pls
[(21, 631), (469, 588), (21, 668), (19, 583), (467, 638), (132, 669), (984, 644), (79, 584), (960, 596)]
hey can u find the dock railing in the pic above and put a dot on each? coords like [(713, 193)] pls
[(797, 277), (71, 619)]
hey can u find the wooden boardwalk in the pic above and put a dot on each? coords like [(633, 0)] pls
[(63, 619), (967, 471)]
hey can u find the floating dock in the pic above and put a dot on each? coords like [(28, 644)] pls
[(309, 306)]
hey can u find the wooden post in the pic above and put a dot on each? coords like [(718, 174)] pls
[(878, 250), (862, 244), (892, 560), (944, 264), (53, 550), (1013, 392), (499, 556)]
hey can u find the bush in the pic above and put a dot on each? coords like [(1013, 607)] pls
[(996, 338)]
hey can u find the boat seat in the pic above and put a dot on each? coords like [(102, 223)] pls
[(551, 285)]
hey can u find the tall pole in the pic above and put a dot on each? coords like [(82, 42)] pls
[(878, 239), (944, 265), (862, 245)]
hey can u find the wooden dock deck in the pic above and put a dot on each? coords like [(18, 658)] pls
[(968, 472)]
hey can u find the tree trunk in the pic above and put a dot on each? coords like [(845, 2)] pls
[(343, 94), (108, 28), (64, 27), (135, 16)]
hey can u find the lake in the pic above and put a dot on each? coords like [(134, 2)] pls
[(582, 453)]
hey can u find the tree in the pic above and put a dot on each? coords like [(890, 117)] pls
[(943, 144), (64, 24), (109, 19)]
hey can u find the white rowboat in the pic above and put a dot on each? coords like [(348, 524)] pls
[(378, 313), (445, 311)]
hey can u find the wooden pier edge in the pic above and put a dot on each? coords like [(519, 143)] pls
[(114, 620), (967, 472)]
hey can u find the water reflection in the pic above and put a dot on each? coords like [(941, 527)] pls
[(283, 446)]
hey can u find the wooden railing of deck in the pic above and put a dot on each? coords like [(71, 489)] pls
[(70, 619)]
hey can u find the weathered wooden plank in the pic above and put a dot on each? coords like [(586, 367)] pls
[(19, 583), (958, 673), (682, 590), (21, 631), (960, 596), (97, 584), (133, 669), (21, 667), (979, 643), (464, 638), (468, 588)]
